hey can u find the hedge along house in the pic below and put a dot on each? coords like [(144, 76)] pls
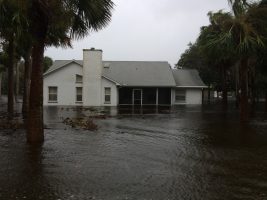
[(93, 82)]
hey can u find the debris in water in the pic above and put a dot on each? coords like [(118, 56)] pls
[(86, 124)]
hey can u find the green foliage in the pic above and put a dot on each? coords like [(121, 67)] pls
[(193, 58), (229, 37), (48, 62)]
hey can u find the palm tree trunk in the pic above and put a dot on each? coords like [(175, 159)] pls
[(0, 84), (35, 132), (27, 82), (224, 87), (252, 88), (244, 107), (10, 104), (237, 96), (17, 81)]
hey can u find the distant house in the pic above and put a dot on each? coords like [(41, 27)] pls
[(93, 82)]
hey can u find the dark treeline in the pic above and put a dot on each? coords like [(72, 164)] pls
[(26, 29), (230, 53), (19, 70)]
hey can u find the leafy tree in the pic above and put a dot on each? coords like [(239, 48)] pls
[(261, 77), (75, 17), (220, 56), (241, 33), (48, 62), (51, 22), (11, 25), (193, 58)]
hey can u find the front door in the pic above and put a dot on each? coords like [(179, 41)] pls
[(137, 97)]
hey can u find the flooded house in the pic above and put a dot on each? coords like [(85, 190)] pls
[(94, 82)]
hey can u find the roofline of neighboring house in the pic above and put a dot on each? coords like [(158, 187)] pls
[(192, 86), (162, 86), (151, 86), (63, 65)]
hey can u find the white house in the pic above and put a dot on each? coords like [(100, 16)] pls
[(94, 82)]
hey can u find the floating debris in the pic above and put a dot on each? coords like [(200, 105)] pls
[(86, 124)]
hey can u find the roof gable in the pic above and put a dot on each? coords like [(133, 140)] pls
[(187, 78), (58, 64)]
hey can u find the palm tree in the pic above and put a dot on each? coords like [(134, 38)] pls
[(1, 71), (217, 52), (7, 33), (78, 18), (24, 46), (242, 33), (248, 33), (11, 22)]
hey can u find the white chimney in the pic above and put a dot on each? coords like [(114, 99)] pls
[(92, 73)]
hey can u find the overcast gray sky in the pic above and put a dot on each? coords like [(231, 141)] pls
[(149, 30)]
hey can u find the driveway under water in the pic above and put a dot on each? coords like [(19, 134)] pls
[(170, 153)]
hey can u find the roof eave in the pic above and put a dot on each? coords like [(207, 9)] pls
[(117, 84), (197, 86)]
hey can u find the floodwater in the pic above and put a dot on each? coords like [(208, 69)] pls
[(169, 153)]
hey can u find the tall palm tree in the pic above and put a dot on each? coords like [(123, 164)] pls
[(11, 23), (248, 33), (242, 33), (78, 17), (217, 52), (7, 33)]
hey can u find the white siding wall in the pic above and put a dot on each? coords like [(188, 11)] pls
[(192, 96), (65, 80), (114, 93)]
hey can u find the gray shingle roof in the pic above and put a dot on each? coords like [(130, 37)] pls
[(187, 78), (142, 73), (139, 73)]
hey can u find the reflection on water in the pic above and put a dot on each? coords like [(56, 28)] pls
[(150, 153)]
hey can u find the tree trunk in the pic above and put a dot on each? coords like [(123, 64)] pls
[(10, 104), (252, 87), (17, 81), (224, 87), (0, 84), (27, 82), (35, 132), (266, 101), (237, 97), (244, 107), (209, 94)]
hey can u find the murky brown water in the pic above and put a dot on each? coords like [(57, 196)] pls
[(182, 153)]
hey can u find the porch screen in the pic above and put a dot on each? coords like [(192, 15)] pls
[(125, 96), (164, 96), (149, 96)]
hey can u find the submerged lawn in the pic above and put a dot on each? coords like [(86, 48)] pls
[(179, 153)]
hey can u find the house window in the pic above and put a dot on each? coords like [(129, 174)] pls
[(107, 95), (79, 94), (79, 78), (179, 95), (52, 94)]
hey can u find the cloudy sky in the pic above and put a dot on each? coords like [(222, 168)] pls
[(150, 30)]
